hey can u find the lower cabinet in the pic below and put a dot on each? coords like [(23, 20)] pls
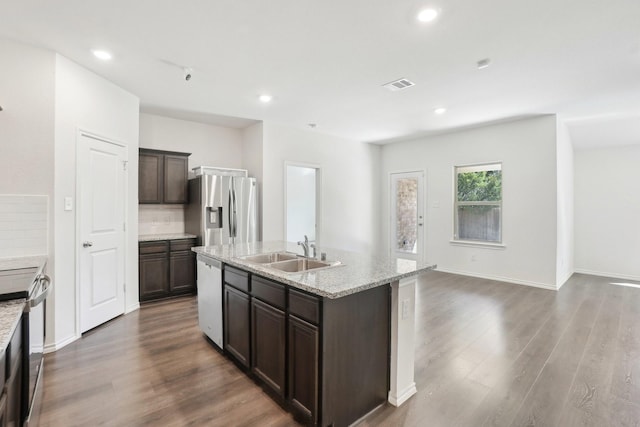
[(325, 360), (237, 338), (167, 268), (304, 341), (268, 331), (11, 397)]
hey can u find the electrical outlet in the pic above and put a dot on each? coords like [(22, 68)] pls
[(473, 258), (405, 308)]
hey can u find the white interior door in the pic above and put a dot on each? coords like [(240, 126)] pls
[(407, 215), (101, 205)]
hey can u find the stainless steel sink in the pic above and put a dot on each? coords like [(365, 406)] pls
[(270, 258), (301, 264)]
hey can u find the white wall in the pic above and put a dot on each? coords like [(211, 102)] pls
[(565, 224), (83, 100), (209, 145), (26, 136), (607, 208), (527, 150), (350, 171)]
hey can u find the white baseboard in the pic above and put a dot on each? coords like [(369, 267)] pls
[(564, 279), (500, 279), (50, 348), (403, 396), (132, 307), (606, 274)]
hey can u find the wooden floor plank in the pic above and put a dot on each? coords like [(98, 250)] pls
[(487, 353)]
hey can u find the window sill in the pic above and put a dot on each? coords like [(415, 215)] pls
[(471, 243)]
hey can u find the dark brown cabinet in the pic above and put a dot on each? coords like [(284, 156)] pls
[(166, 269), (268, 332), (304, 341), (162, 177), (237, 338), (11, 397), (325, 360)]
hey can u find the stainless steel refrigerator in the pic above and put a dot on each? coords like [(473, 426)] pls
[(222, 209)]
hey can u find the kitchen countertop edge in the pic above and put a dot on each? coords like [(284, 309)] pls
[(166, 236), (285, 278), (10, 314)]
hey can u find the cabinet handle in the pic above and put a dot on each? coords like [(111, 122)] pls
[(87, 244)]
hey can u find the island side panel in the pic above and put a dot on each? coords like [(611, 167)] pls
[(355, 345)]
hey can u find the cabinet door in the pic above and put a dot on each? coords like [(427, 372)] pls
[(175, 179), (304, 341), (236, 325), (182, 277), (13, 390), (268, 332), (150, 178), (154, 276)]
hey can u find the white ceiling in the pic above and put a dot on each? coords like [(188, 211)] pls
[(325, 61)]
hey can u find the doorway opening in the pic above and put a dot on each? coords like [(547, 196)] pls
[(302, 202)]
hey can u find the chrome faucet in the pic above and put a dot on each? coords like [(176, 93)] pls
[(305, 246)]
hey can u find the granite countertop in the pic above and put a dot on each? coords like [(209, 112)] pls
[(22, 262), (170, 236), (10, 315), (356, 273)]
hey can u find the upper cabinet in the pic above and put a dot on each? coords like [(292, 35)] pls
[(163, 177)]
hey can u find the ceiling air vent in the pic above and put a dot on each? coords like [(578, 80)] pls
[(399, 84)]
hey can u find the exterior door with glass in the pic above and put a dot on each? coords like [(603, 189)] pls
[(407, 215)]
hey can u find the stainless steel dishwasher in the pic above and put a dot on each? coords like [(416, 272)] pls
[(210, 298)]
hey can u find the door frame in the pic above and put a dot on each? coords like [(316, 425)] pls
[(422, 208), (78, 219), (318, 169)]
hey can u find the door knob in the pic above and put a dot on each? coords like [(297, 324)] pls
[(87, 244)]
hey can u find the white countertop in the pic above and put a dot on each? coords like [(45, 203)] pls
[(170, 236), (357, 272)]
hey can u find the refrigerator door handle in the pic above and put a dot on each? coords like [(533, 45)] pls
[(235, 212)]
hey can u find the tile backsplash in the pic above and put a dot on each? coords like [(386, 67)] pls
[(23, 225), (160, 219)]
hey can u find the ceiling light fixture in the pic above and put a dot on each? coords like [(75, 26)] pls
[(427, 15), (102, 54), (483, 63), (440, 111), (265, 99)]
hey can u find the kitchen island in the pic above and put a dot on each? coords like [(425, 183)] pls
[(330, 343)]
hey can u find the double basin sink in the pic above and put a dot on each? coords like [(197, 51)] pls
[(288, 262)]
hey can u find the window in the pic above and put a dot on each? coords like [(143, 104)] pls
[(478, 203)]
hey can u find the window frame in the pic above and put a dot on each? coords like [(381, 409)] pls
[(456, 204)]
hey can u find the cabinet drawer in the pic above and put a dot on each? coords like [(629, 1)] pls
[(268, 291), (236, 278), (182, 244), (305, 306), (153, 247)]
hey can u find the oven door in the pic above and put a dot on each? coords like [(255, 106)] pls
[(36, 318)]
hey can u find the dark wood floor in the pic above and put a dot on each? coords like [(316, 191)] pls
[(487, 354)]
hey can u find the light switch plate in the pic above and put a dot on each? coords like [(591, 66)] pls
[(68, 203)]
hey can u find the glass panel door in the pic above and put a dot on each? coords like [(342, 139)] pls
[(407, 218)]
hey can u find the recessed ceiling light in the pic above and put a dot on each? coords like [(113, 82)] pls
[(440, 111), (102, 54), (483, 63), (265, 99), (427, 15)]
